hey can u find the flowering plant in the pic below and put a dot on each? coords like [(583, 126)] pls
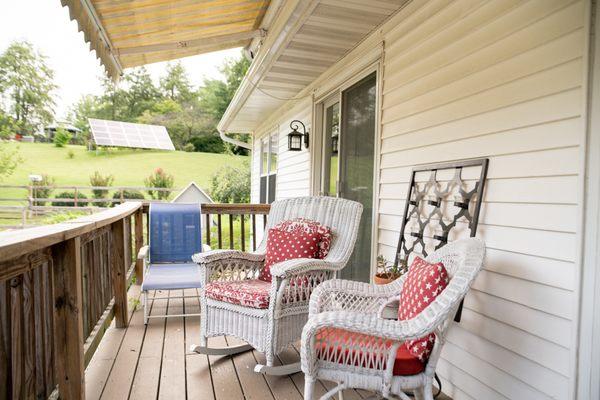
[(159, 179)]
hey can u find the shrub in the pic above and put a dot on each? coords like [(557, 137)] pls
[(62, 137), (9, 160), (208, 144), (189, 147), (159, 179), (42, 192), (70, 195), (128, 195), (97, 179), (71, 154), (231, 184)]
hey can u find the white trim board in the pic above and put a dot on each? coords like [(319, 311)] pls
[(588, 376)]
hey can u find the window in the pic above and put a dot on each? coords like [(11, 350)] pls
[(268, 167)]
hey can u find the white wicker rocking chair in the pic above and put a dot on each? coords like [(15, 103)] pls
[(272, 329), (367, 360)]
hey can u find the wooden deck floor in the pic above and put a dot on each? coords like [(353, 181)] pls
[(153, 362)]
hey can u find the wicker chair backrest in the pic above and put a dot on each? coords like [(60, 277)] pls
[(342, 216)]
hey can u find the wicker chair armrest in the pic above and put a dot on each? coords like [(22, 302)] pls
[(299, 266), (346, 295), (228, 265), (218, 255), (143, 253)]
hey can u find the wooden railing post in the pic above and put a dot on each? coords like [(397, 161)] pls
[(118, 272), (68, 319), (139, 242)]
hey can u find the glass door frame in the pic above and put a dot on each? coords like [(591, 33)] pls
[(320, 104), (328, 102)]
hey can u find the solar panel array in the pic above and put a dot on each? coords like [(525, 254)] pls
[(127, 134)]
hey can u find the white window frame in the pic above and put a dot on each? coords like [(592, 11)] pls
[(267, 139)]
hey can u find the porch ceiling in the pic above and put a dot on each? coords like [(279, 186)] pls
[(318, 34), (128, 33)]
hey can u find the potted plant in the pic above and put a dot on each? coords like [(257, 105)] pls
[(387, 272)]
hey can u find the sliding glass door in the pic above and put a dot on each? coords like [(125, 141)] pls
[(348, 161)]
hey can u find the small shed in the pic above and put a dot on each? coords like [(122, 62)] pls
[(192, 193), (50, 130)]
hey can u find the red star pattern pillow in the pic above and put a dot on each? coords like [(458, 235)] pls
[(296, 238), (423, 284)]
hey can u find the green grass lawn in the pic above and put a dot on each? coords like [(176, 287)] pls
[(129, 166)]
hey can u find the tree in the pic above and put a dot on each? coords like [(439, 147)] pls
[(26, 84), (87, 107), (190, 116), (7, 126), (216, 94), (184, 121), (175, 85), (231, 184), (141, 94), (8, 161)]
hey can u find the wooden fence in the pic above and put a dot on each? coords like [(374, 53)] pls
[(61, 285), (32, 197), (33, 206)]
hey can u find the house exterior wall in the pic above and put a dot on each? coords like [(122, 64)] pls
[(504, 80), (293, 167)]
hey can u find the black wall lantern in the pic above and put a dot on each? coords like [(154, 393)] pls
[(295, 137)]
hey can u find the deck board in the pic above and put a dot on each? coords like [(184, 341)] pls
[(154, 361), (198, 376), (172, 371), (147, 373)]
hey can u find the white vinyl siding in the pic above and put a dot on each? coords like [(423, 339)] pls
[(293, 167), (504, 80)]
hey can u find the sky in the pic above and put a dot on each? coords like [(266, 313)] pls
[(46, 24)]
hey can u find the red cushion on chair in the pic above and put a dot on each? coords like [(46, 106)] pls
[(250, 293), (283, 245), (422, 285), (405, 364)]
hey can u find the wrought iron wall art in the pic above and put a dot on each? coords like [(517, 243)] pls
[(435, 207)]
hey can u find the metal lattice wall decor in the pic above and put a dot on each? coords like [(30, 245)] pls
[(437, 207)]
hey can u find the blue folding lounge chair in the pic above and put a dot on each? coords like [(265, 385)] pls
[(174, 235)]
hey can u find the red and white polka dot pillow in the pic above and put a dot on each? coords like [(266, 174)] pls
[(295, 239), (423, 284)]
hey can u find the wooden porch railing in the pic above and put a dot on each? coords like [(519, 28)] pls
[(61, 285)]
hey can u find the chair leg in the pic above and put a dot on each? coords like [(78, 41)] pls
[(145, 301), (428, 391), (309, 388), (419, 393)]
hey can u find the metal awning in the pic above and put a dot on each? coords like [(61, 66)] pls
[(130, 33)]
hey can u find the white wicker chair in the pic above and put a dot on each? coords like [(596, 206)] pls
[(357, 307), (273, 329)]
